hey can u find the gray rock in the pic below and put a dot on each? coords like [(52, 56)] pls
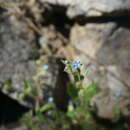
[(17, 53), (105, 48), (93, 7)]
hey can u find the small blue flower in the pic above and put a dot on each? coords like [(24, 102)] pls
[(50, 99), (70, 102), (41, 38), (45, 67), (76, 64), (117, 93)]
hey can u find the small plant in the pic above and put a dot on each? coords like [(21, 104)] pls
[(79, 110), (79, 113)]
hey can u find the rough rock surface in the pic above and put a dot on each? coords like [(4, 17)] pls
[(101, 42), (105, 48), (93, 7), (17, 52)]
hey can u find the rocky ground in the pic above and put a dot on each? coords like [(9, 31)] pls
[(96, 32)]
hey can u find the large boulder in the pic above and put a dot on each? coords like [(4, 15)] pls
[(105, 49)]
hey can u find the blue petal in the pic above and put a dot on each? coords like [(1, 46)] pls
[(45, 67), (117, 93), (41, 39), (77, 61), (70, 102), (50, 99), (74, 66)]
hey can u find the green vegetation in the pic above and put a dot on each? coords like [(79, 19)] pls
[(79, 114)]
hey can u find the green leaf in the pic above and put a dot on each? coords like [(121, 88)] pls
[(7, 85), (27, 86), (88, 116), (90, 91), (21, 96), (71, 114), (76, 77), (72, 90), (81, 77), (45, 107), (116, 110)]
